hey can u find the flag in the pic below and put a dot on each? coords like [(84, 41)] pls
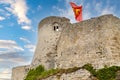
[(77, 11)]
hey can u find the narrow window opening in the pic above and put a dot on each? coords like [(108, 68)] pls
[(54, 28), (57, 29)]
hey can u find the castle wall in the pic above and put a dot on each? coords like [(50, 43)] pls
[(77, 75), (19, 73), (47, 42), (95, 41)]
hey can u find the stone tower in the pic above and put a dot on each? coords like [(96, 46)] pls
[(49, 32), (64, 45)]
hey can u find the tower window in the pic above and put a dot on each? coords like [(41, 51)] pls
[(56, 26)]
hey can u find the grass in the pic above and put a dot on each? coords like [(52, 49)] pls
[(106, 73), (40, 73), (52, 72), (34, 73)]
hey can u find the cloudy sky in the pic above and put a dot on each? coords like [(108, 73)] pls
[(19, 22)]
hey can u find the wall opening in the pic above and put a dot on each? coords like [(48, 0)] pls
[(56, 26)]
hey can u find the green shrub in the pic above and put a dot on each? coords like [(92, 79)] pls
[(107, 73), (90, 68), (48, 73), (34, 73), (39, 73)]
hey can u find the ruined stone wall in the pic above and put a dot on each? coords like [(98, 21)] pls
[(48, 37), (95, 41), (77, 75), (19, 73), (46, 48)]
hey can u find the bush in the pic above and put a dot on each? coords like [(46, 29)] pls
[(34, 73), (106, 73), (90, 68), (39, 73), (47, 73)]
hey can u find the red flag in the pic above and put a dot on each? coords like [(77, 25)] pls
[(77, 11)]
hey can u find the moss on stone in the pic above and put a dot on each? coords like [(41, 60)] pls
[(40, 73), (106, 73), (34, 73)]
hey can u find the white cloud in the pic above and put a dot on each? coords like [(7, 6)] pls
[(5, 1), (98, 7), (2, 18), (87, 13), (79, 2), (18, 60), (10, 56), (91, 9), (26, 27), (18, 8), (25, 40), (9, 45), (30, 47), (6, 71), (10, 59), (4, 13), (68, 12), (108, 10), (5, 74), (1, 59)]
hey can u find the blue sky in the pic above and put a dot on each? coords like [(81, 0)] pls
[(19, 23)]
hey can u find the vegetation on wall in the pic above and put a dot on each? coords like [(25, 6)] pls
[(40, 73), (106, 73), (34, 73)]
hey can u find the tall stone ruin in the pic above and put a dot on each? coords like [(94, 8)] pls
[(64, 45)]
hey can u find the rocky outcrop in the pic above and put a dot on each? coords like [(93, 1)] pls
[(64, 45)]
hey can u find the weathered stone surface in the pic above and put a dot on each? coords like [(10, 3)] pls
[(95, 41), (77, 75), (19, 73), (65, 45), (48, 38)]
